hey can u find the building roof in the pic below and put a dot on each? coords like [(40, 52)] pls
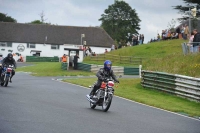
[(36, 33)]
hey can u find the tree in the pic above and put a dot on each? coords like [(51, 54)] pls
[(42, 21), (5, 18), (36, 22), (171, 25), (119, 20), (42, 17), (190, 4)]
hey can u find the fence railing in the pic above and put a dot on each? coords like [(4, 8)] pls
[(184, 86), (118, 59), (188, 47)]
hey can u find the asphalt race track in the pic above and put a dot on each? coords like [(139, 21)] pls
[(41, 105)]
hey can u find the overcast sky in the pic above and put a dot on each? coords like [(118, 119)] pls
[(154, 14)]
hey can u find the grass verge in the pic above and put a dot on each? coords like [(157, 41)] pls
[(131, 89), (51, 69)]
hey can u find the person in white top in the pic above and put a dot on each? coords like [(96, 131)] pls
[(190, 45), (112, 47)]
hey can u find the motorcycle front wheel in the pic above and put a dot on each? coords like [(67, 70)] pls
[(6, 81), (106, 104)]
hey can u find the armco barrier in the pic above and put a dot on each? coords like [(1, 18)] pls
[(184, 86), (41, 59), (64, 66), (118, 70), (84, 67), (131, 70)]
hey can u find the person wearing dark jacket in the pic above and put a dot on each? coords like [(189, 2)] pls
[(9, 60), (196, 40), (76, 57), (105, 72)]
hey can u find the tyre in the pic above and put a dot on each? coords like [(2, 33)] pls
[(92, 106), (6, 81), (106, 104)]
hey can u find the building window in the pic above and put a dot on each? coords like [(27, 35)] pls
[(55, 46), (30, 45), (3, 44), (6, 44), (9, 44)]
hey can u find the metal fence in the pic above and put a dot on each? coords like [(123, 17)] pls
[(118, 59), (188, 47), (184, 86)]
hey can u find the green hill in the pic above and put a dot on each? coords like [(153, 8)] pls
[(163, 56)]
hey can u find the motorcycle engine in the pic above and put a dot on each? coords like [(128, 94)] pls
[(100, 93)]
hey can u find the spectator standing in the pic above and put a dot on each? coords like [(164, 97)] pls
[(89, 51), (137, 40), (112, 47), (182, 31), (106, 51), (190, 45), (84, 50), (21, 58), (178, 30), (76, 57), (64, 58), (1, 58), (158, 37), (196, 41), (186, 32), (142, 38)]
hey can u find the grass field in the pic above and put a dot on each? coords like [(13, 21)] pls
[(51, 69)]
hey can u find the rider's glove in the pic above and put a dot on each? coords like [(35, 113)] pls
[(101, 78)]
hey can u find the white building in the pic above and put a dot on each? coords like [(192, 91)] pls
[(51, 40)]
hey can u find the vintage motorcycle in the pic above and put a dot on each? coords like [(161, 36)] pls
[(6, 74), (103, 96)]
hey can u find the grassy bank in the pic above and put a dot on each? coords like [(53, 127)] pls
[(164, 56), (131, 89)]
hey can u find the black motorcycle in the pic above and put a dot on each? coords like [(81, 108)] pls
[(103, 96), (6, 74)]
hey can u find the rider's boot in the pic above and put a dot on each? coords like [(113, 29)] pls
[(11, 78), (93, 91)]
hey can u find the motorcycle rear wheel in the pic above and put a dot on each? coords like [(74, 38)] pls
[(92, 106)]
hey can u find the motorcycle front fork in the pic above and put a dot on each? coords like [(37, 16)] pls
[(105, 94)]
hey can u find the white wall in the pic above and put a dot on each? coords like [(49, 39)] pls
[(45, 48), (99, 50)]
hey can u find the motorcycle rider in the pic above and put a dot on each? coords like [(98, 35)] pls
[(9, 60), (105, 72)]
